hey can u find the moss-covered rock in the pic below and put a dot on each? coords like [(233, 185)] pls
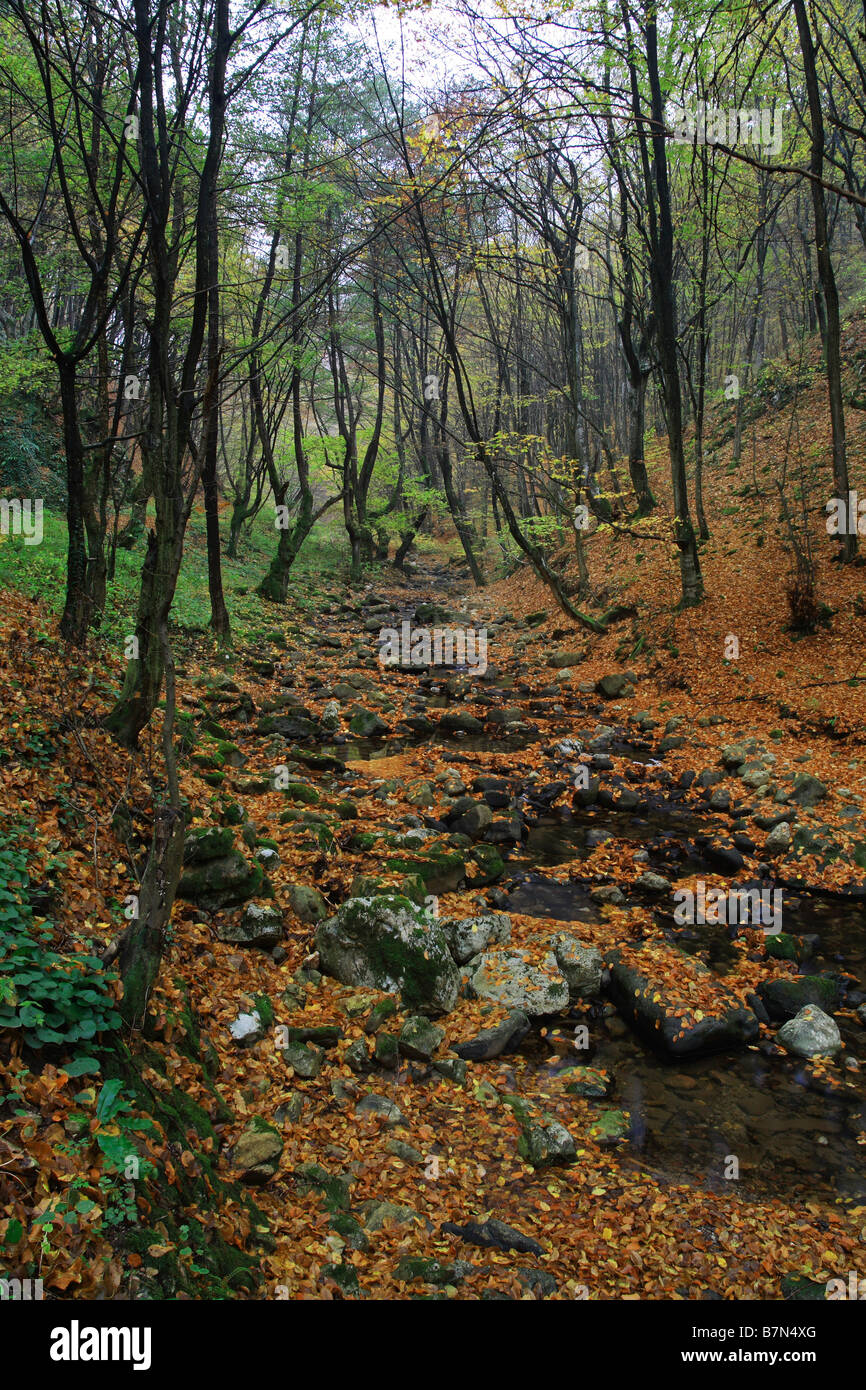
[(440, 869), (205, 843), (784, 997), (303, 792), (225, 882), (388, 943)]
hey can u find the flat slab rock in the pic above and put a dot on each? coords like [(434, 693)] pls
[(676, 1004)]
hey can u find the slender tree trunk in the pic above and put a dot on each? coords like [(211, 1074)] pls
[(827, 275), (658, 190), (76, 612)]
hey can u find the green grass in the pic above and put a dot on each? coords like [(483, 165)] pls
[(39, 572)]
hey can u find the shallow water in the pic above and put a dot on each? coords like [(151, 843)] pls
[(688, 1119)]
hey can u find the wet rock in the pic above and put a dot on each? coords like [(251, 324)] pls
[(504, 832), (581, 965), (611, 1127), (388, 943), (651, 1005), (592, 1083), (783, 998), (755, 1003), (460, 722), (493, 1235), (492, 1042), (725, 857), (810, 1033), (484, 866), (509, 714), (516, 980)]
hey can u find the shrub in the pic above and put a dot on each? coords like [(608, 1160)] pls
[(54, 999)]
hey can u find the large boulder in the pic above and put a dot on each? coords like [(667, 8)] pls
[(677, 1004), (811, 1033), (518, 981), (388, 943)]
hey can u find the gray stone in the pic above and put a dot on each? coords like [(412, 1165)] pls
[(779, 838), (811, 1033), (469, 936), (247, 1029), (547, 1141), (514, 979), (808, 791), (256, 1155), (388, 943), (419, 1038), (492, 1042), (260, 925), (381, 1106), (304, 1059), (307, 903), (581, 965), (614, 686)]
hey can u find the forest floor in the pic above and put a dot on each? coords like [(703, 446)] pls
[(735, 1175)]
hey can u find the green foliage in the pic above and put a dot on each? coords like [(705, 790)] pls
[(30, 445), (54, 999)]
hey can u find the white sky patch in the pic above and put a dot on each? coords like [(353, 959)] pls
[(436, 43)]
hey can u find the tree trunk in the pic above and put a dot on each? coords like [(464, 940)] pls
[(826, 275)]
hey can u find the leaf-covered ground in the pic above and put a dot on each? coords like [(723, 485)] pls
[(605, 1226)]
